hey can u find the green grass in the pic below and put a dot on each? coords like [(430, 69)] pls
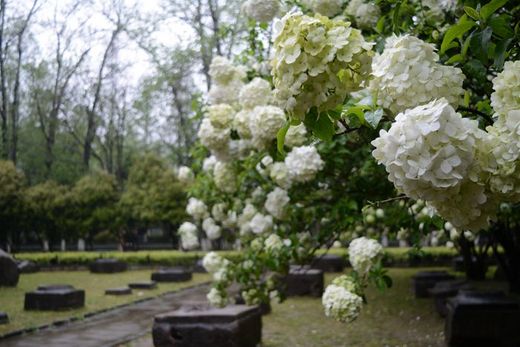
[(12, 299), (391, 318), (394, 256)]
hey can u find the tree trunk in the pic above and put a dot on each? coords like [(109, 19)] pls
[(509, 256)]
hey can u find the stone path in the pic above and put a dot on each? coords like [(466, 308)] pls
[(110, 328)]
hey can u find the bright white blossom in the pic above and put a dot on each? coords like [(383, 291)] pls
[(428, 150), (363, 253), (303, 163), (506, 86), (280, 175), (276, 203), (273, 243), (216, 298), (225, 93), (188, 233), (225, 178), (212, 262), (209, 163), (341, 304), (242, 122), (218, 211), (296, 136), (213, 231), (261, 10), (317, 62), (221, 115), (185, 175), (222, 71), (255, 93), (265, 123), (260, 223), (365, 14), (212, 137), (407, 74), (328, 8), (197, 209)]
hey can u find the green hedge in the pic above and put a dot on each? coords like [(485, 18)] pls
[(433, 256)]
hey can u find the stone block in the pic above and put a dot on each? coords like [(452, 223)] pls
[(143, 285), (198, 268), (4, 318), (424, 280), (172, 275), (9, 273), (482, 319), (107, 265), (265, 307), (444, 290), (27, 267), (119, 291), (329, 263), (54, 298), (304, 282), (202, 325)]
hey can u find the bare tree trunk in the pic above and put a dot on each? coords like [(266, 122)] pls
[(3, 83)]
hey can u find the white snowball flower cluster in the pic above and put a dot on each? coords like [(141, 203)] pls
[(280, 175), (197, 209), (273, 243), (212, 262), (241, 123), (428, 150), (221, 115), (328, 8), (296, 136), (185, 175), (225, 178), (216, 298), (432, 153), (260, 223), (365, 14), (506, 85), (341, 304), (245, 218), (213, 231), (363, 253), (407, 74), (209, 164), (188, 233), (212, 137), (276, 203), (317, 62), (227, 81), (264, 124), (261, 10), (255, 93), (303, 163)]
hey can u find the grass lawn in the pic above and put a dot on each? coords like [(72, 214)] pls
[(391, 318), (12, 299)]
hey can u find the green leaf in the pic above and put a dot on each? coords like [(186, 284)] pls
[(455, 59), (320, 124), (491, 7), (456, 31), (500, 53), (374, 117), (280, 137), (501, 26), (380, 24), (465, 46), (470, 11)]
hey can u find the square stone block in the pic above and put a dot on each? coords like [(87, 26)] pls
[(143, 285), (54, 298), (424, 280), (198, 267), (444, 290), (304, 282), (107, 265), (119, 291), (329, 263), (4, 318), (172, 275), (202, 325), (482, 319)]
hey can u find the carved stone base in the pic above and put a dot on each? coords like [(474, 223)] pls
[(304, 282), (54, 298), (197, 326), (425, 280), (172, 275), (104, 265)]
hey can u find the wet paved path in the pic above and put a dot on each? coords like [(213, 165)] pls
[(110, 328)]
